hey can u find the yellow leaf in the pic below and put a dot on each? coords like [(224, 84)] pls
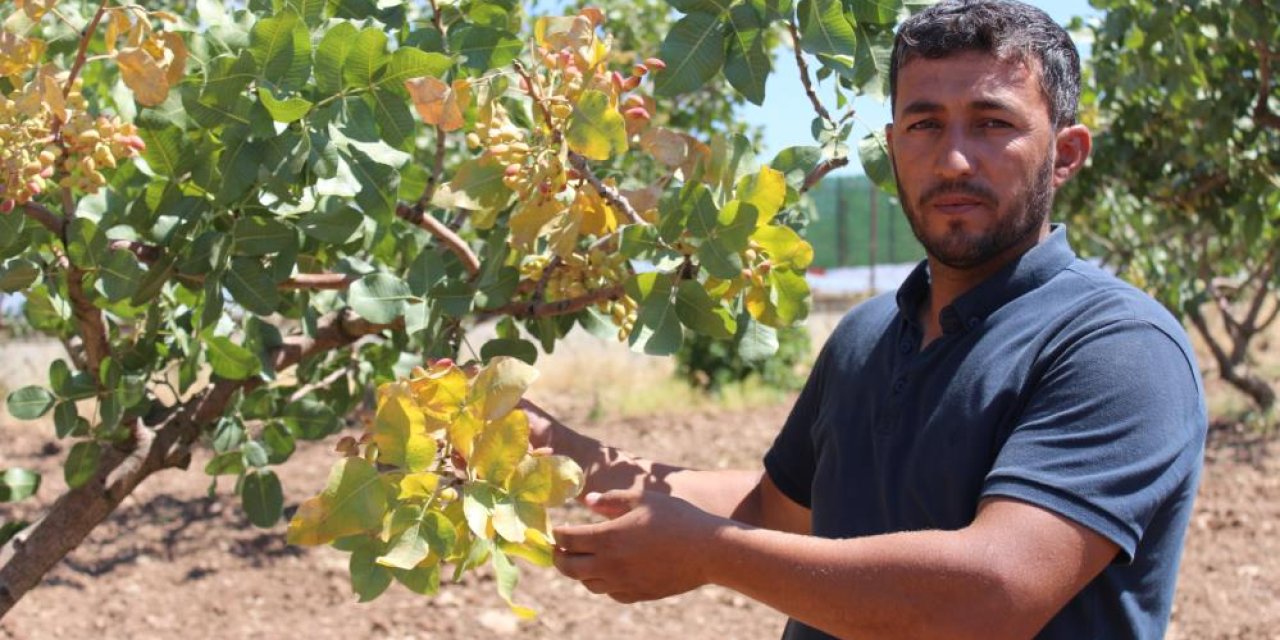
[(143, 75), (767, 190), (399, 430), (563, 232), (498, 387), (441, 393), (596, 129), (35, 9), (463, 431), (784, 247), (19, 54), (438, 103), (597, 216), (418, 485), (117, 23), (759, 306), (354, 501), (500, 447), (536, 548), (549, 480), (177, 67), (530, 216)]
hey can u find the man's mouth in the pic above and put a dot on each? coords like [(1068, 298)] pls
[(956, 204)]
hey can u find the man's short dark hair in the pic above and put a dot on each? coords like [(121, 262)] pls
[(1006, 29)]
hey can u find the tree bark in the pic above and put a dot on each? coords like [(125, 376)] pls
[(1258, 389)]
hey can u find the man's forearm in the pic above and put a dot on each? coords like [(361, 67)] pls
[(928, 584), (726, 493)]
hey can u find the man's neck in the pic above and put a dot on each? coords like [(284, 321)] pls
[(948, 283)]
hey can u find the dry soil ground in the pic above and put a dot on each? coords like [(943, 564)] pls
[(174, 562)]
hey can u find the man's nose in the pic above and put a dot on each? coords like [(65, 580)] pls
[(955, 158)]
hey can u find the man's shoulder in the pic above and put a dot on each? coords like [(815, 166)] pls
[(869, 317), (1097, 297)]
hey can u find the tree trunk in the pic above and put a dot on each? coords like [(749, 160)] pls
[(1257, 389)]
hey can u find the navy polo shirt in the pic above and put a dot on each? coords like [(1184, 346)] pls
[(1053, 383)]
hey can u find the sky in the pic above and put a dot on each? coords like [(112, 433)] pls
[(787, 114)]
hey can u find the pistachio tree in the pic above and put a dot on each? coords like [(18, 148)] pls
[(246, 222)]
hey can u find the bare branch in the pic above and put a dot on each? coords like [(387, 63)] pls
[(443, 233), (47, 219), (535, 309), (804, 74), (86, 36), (319, 281), (819, 172), (610, 195)]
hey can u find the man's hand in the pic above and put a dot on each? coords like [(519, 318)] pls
[(649, 549)]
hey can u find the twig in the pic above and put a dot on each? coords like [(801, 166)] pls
[(535, 309), (45, 217), (443, 233), (326, 382), (610, 195), (804, 74), (319, 281), (532, 90), (819, 172), (85, 37)]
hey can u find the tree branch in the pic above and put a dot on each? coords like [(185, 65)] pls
[(1262, 113), (804, 74), (47, 219), (443, 233), (536, 309), (610, 195), (85, 37), (31, 554), (819, 172)]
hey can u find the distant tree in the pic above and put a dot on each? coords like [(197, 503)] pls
[(1183, 195)]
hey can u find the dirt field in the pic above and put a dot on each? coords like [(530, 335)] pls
[(176, 563)]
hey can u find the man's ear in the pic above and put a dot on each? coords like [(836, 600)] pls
[(1072, 148), (888, 137)]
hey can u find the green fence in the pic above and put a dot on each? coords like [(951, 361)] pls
[(841, 234)]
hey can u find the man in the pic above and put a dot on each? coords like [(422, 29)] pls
[(1007, 447)]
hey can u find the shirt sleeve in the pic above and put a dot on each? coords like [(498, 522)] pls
[(790, 462), (1114, 427)]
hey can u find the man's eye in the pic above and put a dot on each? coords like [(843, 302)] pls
[(994, 124), (923, 124)]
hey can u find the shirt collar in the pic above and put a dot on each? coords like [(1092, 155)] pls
[(1025, 273)]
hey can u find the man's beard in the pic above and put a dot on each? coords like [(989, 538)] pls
[(960, 250)]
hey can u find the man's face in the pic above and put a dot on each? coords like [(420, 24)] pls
[(973, 154)]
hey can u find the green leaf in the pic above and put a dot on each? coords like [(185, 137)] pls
[(824, 29), (789, 293), (251, 286), (694, 51), (879, 12), (279, 442), (10, 529), (408, 62), (391, 113), (262, 498), (287, 110), (354, 501), (756, 342), (153, 281), (484, 48), (420, 580), (167, 152), (596, 130), (309, 419), (477, 185), (255, 455), (873, 151), (748, 62), (514, 347), (18, 274), (11, 230), (67, 420), (29, 403), (871, 66), (714, 7), (699, 312), (230, 360), (281, 45), (795, 163), (260, 236), (331, 56), (507, 576), (230, 463), (409, 548), (639, 241), (720, 259), (379, 183), (18, 484), (379, 297), (366, 59), (657, 329), (334, 227), (368, 578), (312, 11), (121, 274), (82, 463)]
